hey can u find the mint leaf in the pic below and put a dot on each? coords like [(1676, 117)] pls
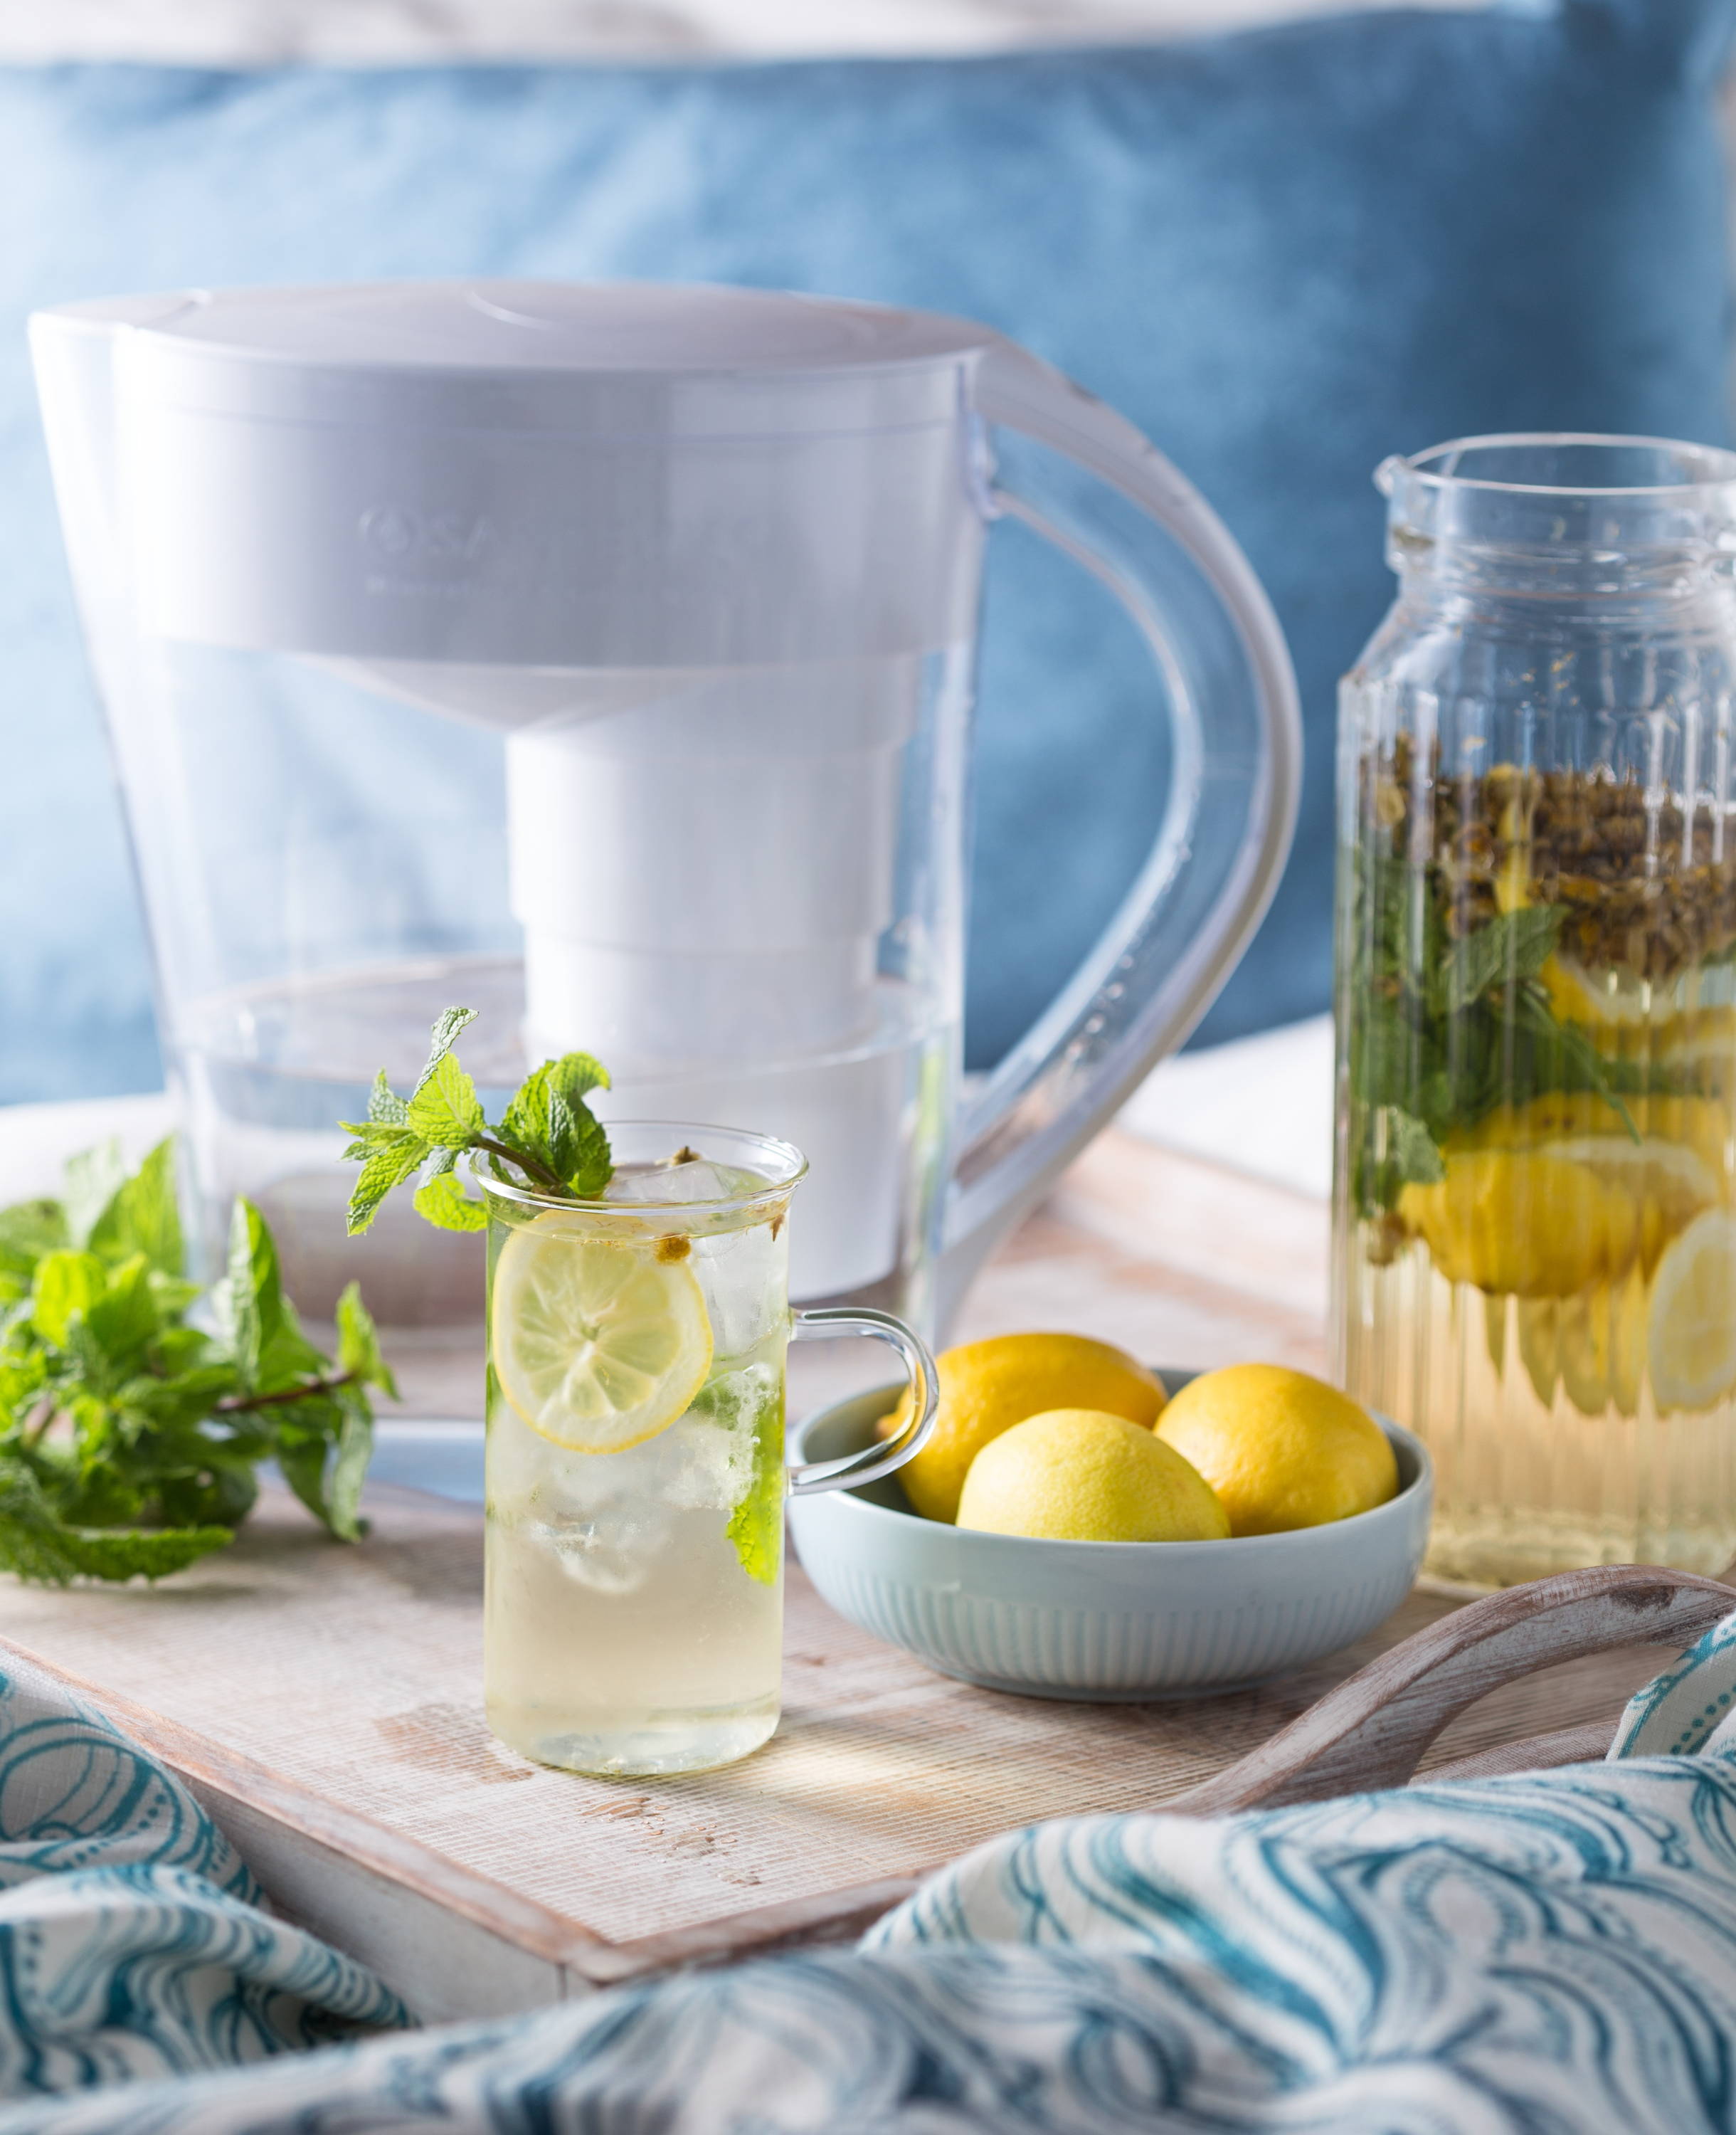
[(1565, 1057), (753, 1399), (178, 1402), (28, 1229), (549, 1119), (445, 1109), (575, 1075), (92, 1178), (289, 1359), (1513, 945), (301, 1462), (393, 1154), (349, 1467), (525, 1122), (593, 1164), (448, 1025), (21, 1381), (564, 1132), (385, 1107), (358, 1344), (1410, 1148), (174, 1294), (250, 1301), (123, 1319), (322, 1448), (444, 1203), (581, 1155), (66, 1286), (142, 1216), (219, 1493), (54, 1555), (37, 1545)]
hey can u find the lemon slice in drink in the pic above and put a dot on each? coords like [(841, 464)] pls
[(599, 1344), (1691, 1340)]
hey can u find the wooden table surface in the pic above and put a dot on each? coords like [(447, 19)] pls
[(325, 1702)]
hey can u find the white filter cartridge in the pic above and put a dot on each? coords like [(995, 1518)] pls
[(704, 881), (850, 1117)]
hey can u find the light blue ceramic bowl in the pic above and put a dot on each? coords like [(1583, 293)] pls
[(1102, 1619)]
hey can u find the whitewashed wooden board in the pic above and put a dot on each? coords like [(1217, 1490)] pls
[(325, 1702)]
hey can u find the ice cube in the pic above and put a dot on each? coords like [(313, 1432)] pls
[(715, 1442), (699, 1180), (614, 1551), (744, 1276)]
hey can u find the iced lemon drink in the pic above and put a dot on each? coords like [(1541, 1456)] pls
[(635, 1459), (638, 1317)]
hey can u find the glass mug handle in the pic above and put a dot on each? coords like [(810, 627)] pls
[(869, 1462)]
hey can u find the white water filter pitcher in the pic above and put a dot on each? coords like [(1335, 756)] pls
[(601, 658)]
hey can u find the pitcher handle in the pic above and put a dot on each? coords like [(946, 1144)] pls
[(869, 1462), (1226, 825)]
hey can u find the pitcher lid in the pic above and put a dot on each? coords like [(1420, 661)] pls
[(602, 358)]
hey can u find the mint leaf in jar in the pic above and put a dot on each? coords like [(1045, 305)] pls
[(1513, 945)]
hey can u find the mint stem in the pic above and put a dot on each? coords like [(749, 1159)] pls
[(235, 1404), (525, 1163)]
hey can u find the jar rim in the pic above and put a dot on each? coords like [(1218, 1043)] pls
[(1719, 465)]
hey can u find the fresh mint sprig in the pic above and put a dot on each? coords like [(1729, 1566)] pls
[(129, 1436), (547, 1134)]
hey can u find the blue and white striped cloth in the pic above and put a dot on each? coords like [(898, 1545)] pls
[(1551, 1955)]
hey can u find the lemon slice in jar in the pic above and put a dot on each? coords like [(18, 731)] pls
[(1671, 1182), (1691, 1336), (598, 1343)]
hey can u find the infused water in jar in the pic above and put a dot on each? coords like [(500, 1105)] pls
[(1535, 1178)]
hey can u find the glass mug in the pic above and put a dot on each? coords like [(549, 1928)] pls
[(636, 1475), (1535, 1252)]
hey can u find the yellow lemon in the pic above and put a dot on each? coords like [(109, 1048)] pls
[(1605, 1001), (1518, 1220), (1690, 1344), (1600, 1343), (1514, 1214), (1689, 1023), (1077, 1474), (597, 1342), (1540, 1344), (1669, 1182), (1698, 1124), (1699, 1047), (1280, 1449), (987, 1387)]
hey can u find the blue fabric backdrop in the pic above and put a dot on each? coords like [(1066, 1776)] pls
[(1284, 253)]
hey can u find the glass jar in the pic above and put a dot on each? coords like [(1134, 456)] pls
[(1535, 1257)]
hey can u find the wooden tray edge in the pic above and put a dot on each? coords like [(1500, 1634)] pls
[(210, 1768)]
